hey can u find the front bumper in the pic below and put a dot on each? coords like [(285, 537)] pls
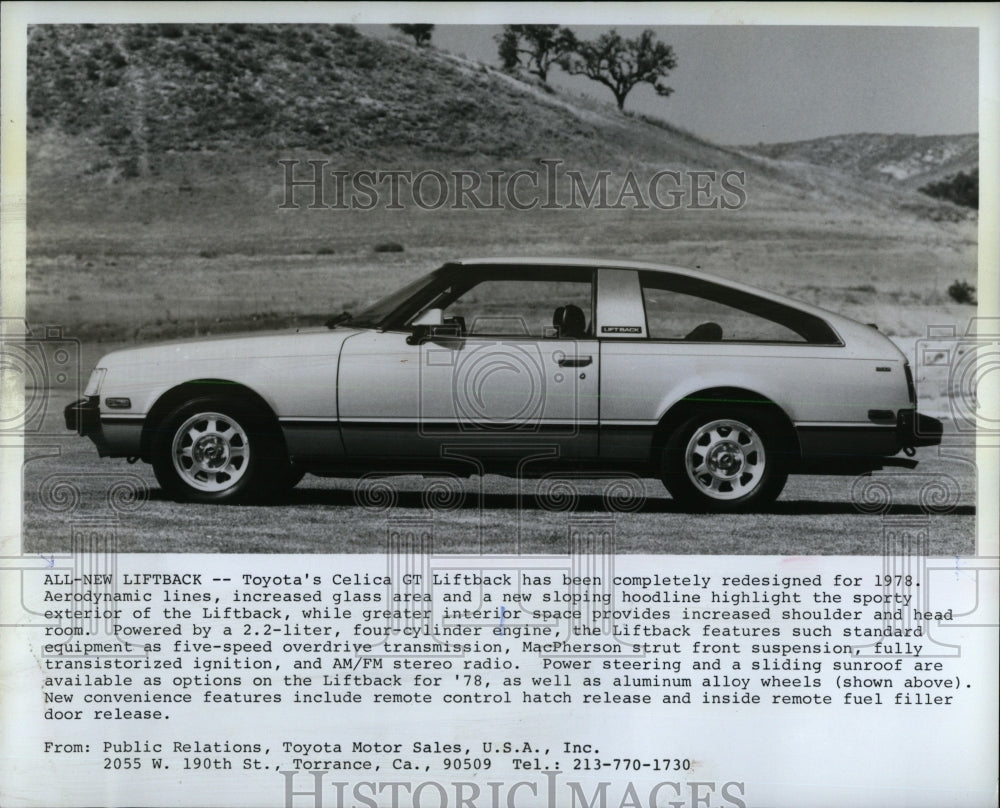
[(916, 429), (83, 417)]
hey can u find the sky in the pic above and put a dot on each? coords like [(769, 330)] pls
[(744, 84)]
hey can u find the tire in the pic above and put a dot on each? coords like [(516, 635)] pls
[(725, 460), (220, 450)]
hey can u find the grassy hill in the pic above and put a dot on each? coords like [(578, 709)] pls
[(910, 161), (154, 185), (142, 92), (149, 100)]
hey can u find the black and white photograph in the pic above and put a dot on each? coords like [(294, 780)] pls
[(499, 406), (716, 281)]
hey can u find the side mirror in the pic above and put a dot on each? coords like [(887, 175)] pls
[(423, 326), (419, 334), (432, 325)]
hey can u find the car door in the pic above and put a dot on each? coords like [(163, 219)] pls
[(495, 376)]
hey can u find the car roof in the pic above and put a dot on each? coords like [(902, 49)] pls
[(568, 262), (598, 263), (614, 263)]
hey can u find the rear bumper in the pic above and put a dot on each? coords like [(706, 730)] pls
[(853, 449), (916, 429)]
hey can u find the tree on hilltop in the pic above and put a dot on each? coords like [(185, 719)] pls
[(421, 32), (535, 48), (620, 64)]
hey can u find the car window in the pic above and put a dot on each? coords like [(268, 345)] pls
[(681, 308), (375, 314), (522, 307)]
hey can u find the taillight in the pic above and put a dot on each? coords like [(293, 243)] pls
[(910, 389)]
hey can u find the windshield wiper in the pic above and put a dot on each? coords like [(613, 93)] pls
[(337, 319)]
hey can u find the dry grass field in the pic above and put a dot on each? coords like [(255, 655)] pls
[(222, 273)]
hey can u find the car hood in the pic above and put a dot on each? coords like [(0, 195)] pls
[(259, 345)]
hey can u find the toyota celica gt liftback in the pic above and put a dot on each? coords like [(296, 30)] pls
[(522, 367)]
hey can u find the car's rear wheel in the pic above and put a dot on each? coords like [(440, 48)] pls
[(218, 449), (725, 460)]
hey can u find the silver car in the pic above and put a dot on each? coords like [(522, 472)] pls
[(522, 367)]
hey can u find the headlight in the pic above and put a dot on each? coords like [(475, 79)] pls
[(93, 387)]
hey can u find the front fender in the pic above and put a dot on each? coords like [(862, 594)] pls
[(294, 374)]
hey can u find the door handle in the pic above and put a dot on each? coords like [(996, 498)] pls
[(575, 362)]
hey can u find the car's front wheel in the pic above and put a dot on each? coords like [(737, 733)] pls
[(216, 449), (725, 460)]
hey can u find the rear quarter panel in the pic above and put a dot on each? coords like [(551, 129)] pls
[(642, 380)]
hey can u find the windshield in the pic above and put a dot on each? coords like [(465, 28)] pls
[(377, 313)]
